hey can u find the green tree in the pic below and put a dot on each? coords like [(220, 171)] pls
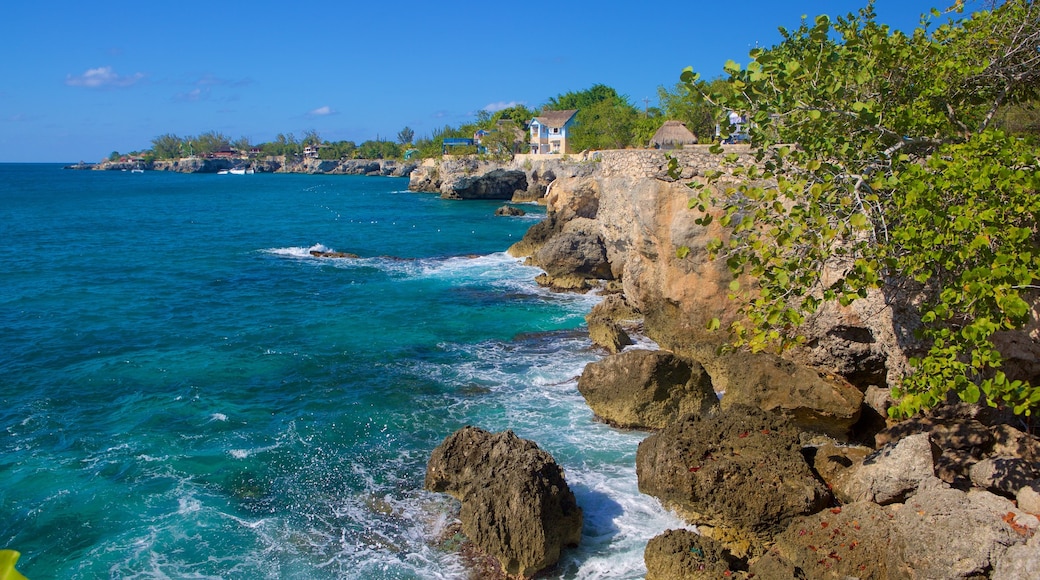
[(608, 124), (168, 146), (894, 174), (211, 142), (405, 136), (583, 99), (681, 104)]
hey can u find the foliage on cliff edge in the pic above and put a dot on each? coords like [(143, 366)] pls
[(878, 159)]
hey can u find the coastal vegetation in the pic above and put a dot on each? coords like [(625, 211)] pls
[(905, 162)]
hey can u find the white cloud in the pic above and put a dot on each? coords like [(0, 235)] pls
[(192, 96), (102, 77), (494, 107), (321, 112)]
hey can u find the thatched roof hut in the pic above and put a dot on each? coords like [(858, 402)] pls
[(673, 135)]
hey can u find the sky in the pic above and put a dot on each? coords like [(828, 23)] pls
[(80, 79)]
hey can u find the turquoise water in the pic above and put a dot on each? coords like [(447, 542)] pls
[(187, 393)]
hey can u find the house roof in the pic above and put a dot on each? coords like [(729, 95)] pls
[(555, 118), (673, 132)]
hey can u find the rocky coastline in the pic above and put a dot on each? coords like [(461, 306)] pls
[(793, 470), (272, 164)]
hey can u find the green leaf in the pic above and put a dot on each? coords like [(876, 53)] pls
[(714, 324), (682, 251)]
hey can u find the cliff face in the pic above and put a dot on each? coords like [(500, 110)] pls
[(454, 177), (629, 202)]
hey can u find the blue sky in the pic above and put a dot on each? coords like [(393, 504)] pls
[(79, 80)]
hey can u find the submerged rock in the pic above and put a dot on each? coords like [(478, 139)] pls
[(516, 505)]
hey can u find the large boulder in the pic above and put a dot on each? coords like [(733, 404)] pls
[(814, 400), (853, 541), (516, 505), (644, 389), (947, 533), (891, 473), (604, 323), (577, 250), (686, 555), (740, 475)]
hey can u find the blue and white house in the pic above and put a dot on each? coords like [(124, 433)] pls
[(549, 131)]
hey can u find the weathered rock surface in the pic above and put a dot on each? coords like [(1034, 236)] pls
[(644, 389), (516, 505), (938, 533), (1021, 561), (509, 211), (853, 541), (576, 251), (495, 184), (891, 473), (947, 533), (685, 555), (814, 400), (605, 322), (739, 475)]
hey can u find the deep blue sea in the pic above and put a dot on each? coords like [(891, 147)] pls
[(185, 392)]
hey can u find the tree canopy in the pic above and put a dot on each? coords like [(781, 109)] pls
[(878, 157)]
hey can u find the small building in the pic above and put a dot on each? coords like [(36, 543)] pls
[(673, 135), (549, 131), (455, 142)]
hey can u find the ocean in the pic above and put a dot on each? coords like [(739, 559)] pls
[(188, 393)]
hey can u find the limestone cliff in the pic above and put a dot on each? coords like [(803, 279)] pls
[(639, 214)]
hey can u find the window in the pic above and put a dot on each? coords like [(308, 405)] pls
[(556, 130)]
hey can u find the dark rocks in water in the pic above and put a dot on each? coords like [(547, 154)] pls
[(497, 184), (516, 505), (739, 475), (646, 389), (509, 211), (331, 254)]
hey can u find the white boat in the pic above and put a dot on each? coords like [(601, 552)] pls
[(236, 171)]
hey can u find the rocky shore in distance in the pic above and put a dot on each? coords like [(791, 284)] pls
[(796, 472), (274, 164)]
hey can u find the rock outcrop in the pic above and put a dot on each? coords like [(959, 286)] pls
[(643, 389), (495, 184), (739, 475), (814, 400), (516, 505), (686, 555)]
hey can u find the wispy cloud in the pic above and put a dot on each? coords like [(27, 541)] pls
[(494, 107), (192, 96), (103, 78), (321, 112)]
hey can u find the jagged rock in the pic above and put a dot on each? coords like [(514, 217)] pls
[(739, 475), (891, 473), (603, 322), (1028, 497), (496, 184), (608, 334), (509, 210), (331, 254), (1004, 475), (575, 252), (516, 505), (813, 400), (1011, 442), (835, 463), (947, 533), (686, 555), (1019, 562), (853, 541), (645, 389)]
